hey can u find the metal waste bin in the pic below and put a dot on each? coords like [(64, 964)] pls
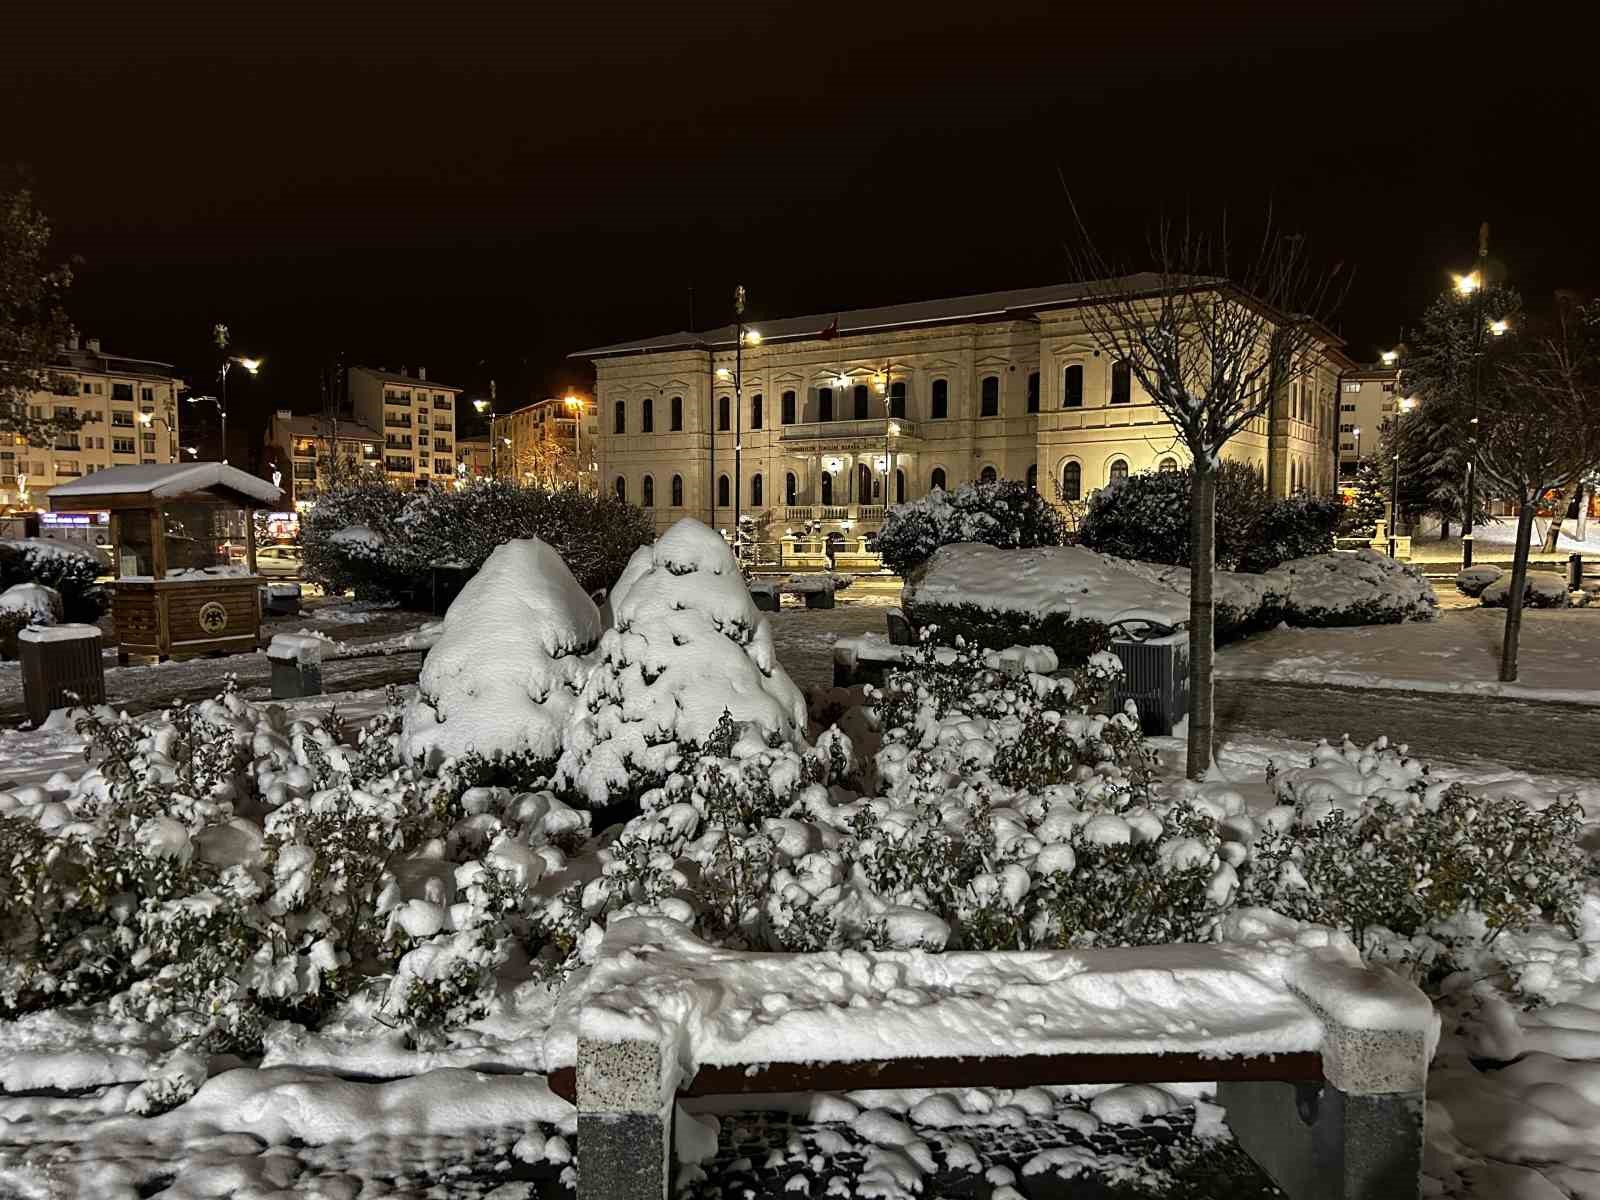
[(61, 667), (1155, 676)]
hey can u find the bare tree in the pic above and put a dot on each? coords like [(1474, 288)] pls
[(1542, 432), (1213, 333)]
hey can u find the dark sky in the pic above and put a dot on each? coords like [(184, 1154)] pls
[(481, 190)]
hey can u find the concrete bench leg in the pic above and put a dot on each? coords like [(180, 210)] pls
[(292, 679), (626, 1097)]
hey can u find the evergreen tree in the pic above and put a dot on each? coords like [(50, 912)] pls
[(33, 321)]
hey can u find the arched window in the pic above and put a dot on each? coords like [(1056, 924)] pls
[(791, 487), (723, 412), (899, 486), (827, 487), (861, 402), (756, 406), (1121, 384), (677, 414), (988, 475), (1072, 387), (1169, 463), (647, 492), (756, 498), (1118, 471), (989, 396), (622, 488), (936, 480), (863, 484), (897, 400), (647, 416), (1033, 391), (620, 417), (787, 416), (1033, 477), (825, 404), (939, 401), (722, 491), (1071, 481), (677, 491)]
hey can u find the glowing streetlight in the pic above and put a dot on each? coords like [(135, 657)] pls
[(1467, 284), (1390, 357), (752, 337), (481, 405), (1499, 328), (574, 405), (724, 374)]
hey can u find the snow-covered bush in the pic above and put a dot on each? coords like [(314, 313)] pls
[(1291, 528), (1146, 516), (1540, 589), (22, 605), (69, 569), (1363, 588), (1471, 581), (687, 644), (377, 538), (1003, 513), (504, 677)]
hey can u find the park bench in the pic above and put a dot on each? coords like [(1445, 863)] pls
[(296, 658), (1321, 1063)]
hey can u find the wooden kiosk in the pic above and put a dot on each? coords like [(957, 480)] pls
[(185, 554)]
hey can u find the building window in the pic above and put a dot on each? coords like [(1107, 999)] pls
[(1033, 391), (622, 488), (1347, 408), (122, 445), (1119, 470), (1121, 387), (122, 391), (619, 421), (148, 395), (647, 492), (724, 413), (863, 484), (791, 485), (861, 402), (677, 491), (936, 480), (647, 418), (827, 487), (1169, 464), (1033, 477), (756, 489), (148, 440), (1346, 428), (756, 414), (677, 414), (989, 396), (787, 415), (939, 401), (825, 404), (1071, 481), (722, 491), (122, 418), (897, 400), (988, 475)]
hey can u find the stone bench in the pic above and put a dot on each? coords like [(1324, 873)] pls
[(1321, 1062), (296, 658)]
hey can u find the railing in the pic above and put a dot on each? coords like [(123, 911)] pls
[(872, 429), (397, 422), (394, 443), (442, 426), (67, 444), (872, 512), (440, 444), (388, 398), (833, 512)]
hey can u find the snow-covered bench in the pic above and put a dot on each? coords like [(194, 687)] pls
[(1321, 1062), (297, 658), (865, 659)]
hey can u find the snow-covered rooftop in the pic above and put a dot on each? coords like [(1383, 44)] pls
[(164, 480)]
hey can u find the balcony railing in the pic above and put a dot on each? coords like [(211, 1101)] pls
[(440, 444), (397, 422), (872, 429), (394, 443), (832, 512)]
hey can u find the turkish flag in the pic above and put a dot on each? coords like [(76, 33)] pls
[(832, 330)]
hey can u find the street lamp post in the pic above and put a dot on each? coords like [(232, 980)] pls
[(149, 418), (219, 334), (576, 408), (1477, 282), (1358, 450), (1402, 407), (740, 336)]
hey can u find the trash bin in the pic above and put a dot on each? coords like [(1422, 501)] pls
[(1155, 676), (61, 666)]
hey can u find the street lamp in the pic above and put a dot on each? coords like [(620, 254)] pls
[(192, 451), (1357, 431), (1404, 405), (1472, 284), (574, 405), (1468, 283), (219, 334)]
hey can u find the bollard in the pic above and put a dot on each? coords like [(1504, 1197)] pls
[(1574, 572)]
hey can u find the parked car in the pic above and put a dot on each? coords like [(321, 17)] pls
[(278, 561)]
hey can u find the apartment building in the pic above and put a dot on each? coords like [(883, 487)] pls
[(129, 408), (551, 441), (846, 412), (475, 456), (416, 417), (1367, 397), (315, 453)]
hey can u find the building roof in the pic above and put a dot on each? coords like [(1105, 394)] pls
[(406, 380), (161, 481), (1017, 302), (100, 363), (318, 426)]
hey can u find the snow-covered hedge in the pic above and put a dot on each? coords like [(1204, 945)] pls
[(1363, 588), (1003, 513), (69, 569), (1470, 581), (1540, 589)]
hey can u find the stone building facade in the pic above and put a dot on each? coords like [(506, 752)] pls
[(846, 412)]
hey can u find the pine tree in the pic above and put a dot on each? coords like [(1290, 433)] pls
[(33, 321)]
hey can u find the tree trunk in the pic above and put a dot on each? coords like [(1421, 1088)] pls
[(1444, 530), (1583, 511), (1202, 617), (1519, 580), (1552, 537)]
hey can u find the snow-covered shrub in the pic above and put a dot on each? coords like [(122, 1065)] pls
[(687, 644), (1470, 581), (1540, 589), (69, 569), (344, 534), (1003, 513), (1290, 528), (41, 604), (1146, 516), (1364, 588), (504, 677)]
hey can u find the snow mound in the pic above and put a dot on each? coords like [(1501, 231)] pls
[(41, 603), (1352, 589), (1471, 581), (504, 676), (687, 644), (1541, 589)]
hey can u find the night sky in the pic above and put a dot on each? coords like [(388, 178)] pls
[(482, 190)]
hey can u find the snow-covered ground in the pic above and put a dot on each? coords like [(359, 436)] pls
[(1497, 540), (1559, 658)]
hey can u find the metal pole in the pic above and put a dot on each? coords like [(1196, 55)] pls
[(1477, 353), (738, 410), (223, 409), (1394, 487)]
